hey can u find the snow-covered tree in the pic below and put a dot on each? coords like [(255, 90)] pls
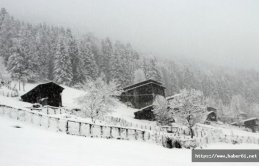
[(105, 60), (98, 98), (151, 69), (62, 65), (162, 113), (87, 66), (117, 65), (189, 108), (238, 106), (139, 76), (16, 67)]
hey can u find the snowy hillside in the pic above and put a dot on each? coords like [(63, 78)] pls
[(26, 145), (69, 96)]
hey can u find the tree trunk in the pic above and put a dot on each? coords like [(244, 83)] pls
[(191, 130)]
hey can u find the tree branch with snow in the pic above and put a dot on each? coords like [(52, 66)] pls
[(98, 98)]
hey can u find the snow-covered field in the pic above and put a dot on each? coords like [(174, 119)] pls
[(34, 146)]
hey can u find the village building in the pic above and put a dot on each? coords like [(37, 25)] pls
[(145, 113), (142, 94), (45, 94), (250, 123), (212, 114)]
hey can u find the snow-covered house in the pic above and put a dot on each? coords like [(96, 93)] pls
[(251, 123), (45, 94), (212, 114), (142, 94), (145, 113)]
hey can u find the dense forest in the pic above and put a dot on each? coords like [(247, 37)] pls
[(42, 52)]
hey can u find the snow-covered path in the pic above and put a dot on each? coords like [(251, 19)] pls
[(35, 146)]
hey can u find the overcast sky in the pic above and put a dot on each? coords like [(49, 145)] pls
[(217, 31)]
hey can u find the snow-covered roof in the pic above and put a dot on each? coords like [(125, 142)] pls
[(172, 97), (246, 120), (144, 83), (146, 107), (210, 112)]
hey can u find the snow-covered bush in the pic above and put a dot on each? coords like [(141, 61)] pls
[(97, 98)]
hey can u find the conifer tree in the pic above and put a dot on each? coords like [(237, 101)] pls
[(62, 65)]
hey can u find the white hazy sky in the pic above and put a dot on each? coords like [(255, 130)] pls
[(217, 31)]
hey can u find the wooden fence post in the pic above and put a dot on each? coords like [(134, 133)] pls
[(101, 128), (90, 129), (119, 131), (79, 130), (136, 135), (67, 126), (127, 134), (40, 118)]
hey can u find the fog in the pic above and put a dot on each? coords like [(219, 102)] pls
[(224, 32)]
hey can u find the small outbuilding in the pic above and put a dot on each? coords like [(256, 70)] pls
[(212, 114), (45, 94), (252, 123), (145, 113)]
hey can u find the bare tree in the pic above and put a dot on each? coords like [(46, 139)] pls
[(189, 108), (97, 98), (162, 113)]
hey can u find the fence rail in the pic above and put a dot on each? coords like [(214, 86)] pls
[(79, 128)]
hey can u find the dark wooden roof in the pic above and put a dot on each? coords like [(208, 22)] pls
[(49, 87), (143, 83), (250, 119)]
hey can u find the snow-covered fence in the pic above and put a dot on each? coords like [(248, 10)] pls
[(80, 128), (208, 135), (124, 123), (50, 110), (104, 131)]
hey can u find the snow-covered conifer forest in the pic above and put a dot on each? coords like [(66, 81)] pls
[(89, 75), (40, 52)]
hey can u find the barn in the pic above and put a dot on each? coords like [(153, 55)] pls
[(252, 123), (212, 114), (145, 113), (142, 94), (45, 94)]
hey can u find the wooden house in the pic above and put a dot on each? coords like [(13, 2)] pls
[(212, 114), (45, 94), (251, 123), (142, 94), (145, 113)]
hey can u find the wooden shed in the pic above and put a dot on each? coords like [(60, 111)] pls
[(145, 113), (212, 114), (252, 123), (142, 94), (45, 94)]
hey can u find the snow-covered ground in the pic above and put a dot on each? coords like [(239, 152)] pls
[(69, 95), (34, 146), (13, 102)]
